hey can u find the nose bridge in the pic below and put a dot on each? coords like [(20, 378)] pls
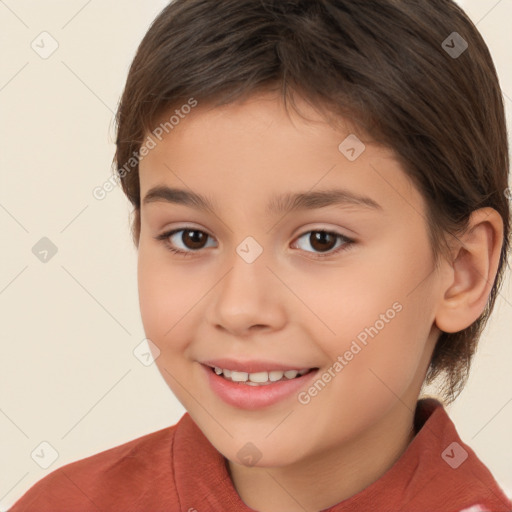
[(246, 281), (247, 295)]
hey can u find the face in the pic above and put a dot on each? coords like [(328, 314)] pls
[(341, 287)]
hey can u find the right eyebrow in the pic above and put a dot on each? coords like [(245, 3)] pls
[(178, 196)]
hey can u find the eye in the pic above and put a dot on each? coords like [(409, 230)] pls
[(187, 241), (325, 241), (191, 240)]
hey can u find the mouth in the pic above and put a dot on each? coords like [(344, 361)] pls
[(261, 378), (257, 389)]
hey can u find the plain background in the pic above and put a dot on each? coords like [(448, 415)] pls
[(69, 326)]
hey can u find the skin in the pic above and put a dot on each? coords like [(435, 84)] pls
[(292, 306)]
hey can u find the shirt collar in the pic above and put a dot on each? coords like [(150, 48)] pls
[(203, 482)]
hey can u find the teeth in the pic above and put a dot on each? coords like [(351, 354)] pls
[(275, 375), (254, 379), (258, 377), (239, 376)]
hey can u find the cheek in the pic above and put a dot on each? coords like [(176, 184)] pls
[(165, 296), (379, 317)]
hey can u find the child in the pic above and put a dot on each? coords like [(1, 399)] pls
[(262, 129)]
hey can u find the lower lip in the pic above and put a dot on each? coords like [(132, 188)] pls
[(248, 397)]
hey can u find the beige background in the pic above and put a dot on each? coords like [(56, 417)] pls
[(68, 375)]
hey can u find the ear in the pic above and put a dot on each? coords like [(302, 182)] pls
[(470, 276)]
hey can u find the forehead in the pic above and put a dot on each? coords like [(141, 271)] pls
[(257, 146), (257, 113)]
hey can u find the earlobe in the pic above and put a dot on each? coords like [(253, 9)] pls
[(473, 271)]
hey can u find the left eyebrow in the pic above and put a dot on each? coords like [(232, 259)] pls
[(320, 199), (276, 206)]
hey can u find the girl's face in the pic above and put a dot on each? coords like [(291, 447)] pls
[(342, 286)]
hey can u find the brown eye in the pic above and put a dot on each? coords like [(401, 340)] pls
[(193, 238), (322, 240), (185, 241), (325, 243)]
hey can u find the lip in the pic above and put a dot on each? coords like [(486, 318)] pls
[(243, 396), (253, 366)]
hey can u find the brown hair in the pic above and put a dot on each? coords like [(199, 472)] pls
[(383, 64)]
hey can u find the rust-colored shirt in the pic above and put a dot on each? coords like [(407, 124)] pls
[(177, 469)]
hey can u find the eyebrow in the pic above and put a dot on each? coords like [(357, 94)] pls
[(277, 205)]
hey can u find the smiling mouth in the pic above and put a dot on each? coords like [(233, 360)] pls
[(263, 378)]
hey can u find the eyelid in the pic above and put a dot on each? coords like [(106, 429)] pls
[(327, 227), (183, 227)]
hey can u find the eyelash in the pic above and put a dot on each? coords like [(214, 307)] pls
[(348, 242)]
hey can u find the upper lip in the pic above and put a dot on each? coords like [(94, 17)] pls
[(252, 366)]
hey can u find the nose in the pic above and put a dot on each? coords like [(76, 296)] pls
[(248, 298)]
